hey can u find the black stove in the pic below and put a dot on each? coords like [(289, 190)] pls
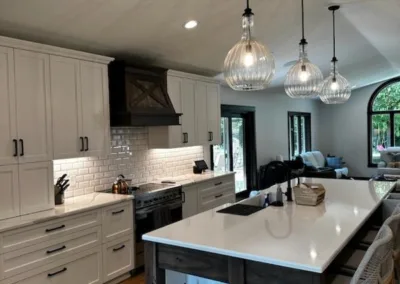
[(151, 194)]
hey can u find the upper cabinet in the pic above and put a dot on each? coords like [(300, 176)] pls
[(198, 99), (8, 118), (79, 92), (53, 105)]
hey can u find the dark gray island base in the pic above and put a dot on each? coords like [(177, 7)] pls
[(160, 257)]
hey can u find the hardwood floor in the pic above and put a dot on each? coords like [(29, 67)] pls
[(138, 279)]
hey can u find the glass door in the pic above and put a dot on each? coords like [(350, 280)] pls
[(237, 150)]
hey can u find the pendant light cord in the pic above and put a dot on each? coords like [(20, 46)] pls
[(334, 59), (303, 41)]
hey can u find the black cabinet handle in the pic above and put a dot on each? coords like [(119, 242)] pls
[(219, 195), (118, 212), (184, 197), (15, 147), (121, 247), (87, 144), (22, 147), (210, 136), (82, 144), (55, 229), (218, 183), (185, 137), (56, 250), (58, 272)]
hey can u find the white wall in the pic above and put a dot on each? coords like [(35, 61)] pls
[(272, 107), (343, 131)]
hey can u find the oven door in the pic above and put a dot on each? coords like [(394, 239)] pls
[(157, 216)]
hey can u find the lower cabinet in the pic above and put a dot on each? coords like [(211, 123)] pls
[(84, 268), (208, 194), (72, 249), (117, 257)]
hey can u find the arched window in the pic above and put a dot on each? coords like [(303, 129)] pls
[(383, 119)]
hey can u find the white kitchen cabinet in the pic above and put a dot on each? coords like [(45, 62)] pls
[(36, 187), (66, 107), (8, 124), (190, 207), (80, 108), (9, 201), (214, 114), (33, 107), (188, 112), (198, 99), (95, 108)]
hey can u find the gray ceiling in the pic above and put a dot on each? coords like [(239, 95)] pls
[(150, 32)]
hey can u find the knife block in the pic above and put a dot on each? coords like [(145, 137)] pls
[(58, 196)]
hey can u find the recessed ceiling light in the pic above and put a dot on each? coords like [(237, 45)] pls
[(190, 25)]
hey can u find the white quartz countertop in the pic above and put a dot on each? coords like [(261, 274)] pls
[(300, 237), (71, 206), (195, 178)]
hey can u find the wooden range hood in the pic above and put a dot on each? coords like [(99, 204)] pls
[(139, 96)]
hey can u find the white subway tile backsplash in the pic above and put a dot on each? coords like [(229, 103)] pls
[(129, 156)]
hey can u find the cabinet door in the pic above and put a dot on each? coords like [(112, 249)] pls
[(203, 136), (188, 110), (175, 93), (8, 127), (214, 113), (190, 207), (32, 88), (36, 187), (94, 92), (9, 192), (66, 108)]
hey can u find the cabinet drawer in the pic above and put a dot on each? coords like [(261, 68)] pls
[(30, 235), (81, 268), (24, 259), (228, 198), (117, 221), (118, 256), (216, 189)]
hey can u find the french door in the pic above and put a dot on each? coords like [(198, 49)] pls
[(237, 149)]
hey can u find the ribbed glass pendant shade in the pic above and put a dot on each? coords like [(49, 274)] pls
[(335, 89), (304, 79), (249, 65)]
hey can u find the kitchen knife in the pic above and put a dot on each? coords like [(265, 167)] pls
[(64, 183), (60, 179), (64, 189)]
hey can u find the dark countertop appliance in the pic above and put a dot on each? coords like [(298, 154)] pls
[(139, 96)]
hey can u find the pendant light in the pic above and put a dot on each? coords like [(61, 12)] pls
[(249, 65), (304, 79), (335, 89)]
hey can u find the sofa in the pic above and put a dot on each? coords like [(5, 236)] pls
[(317, 166)]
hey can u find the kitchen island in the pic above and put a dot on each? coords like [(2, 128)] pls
[(290, 244)]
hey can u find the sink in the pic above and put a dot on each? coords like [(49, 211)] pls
[(241, 209)]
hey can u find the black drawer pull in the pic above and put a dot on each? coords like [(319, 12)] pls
[(55, 229), (58, 272), (56, 250), (118, 212), (121, 247), (218, 183), (219, 195), (87, 144), (22, 147)]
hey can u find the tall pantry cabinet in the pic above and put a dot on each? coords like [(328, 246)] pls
[(40, 115)]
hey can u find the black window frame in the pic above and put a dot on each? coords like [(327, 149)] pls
[(249, 113), (371, 112), (308, 138)]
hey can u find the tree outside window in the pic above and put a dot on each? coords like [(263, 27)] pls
[(384, 119)]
